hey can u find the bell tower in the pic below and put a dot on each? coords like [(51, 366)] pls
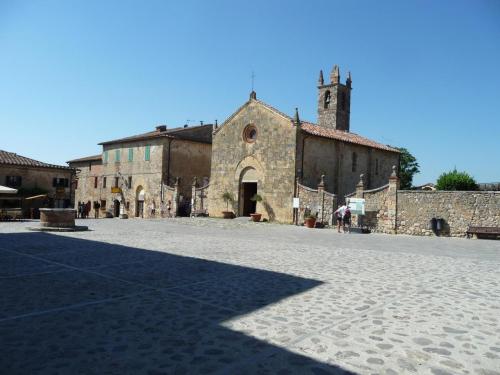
[(334, 101)]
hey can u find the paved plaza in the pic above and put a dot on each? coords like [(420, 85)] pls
[(202, 296)]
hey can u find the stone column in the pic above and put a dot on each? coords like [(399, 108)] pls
[(321, 197), (360, 188), (175, 200), (392, 203), (193, 196)]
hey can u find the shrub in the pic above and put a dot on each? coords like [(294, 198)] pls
[(455, 180)]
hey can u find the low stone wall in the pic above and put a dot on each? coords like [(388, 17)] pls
[(459, 209), (318, 201), (375, 207)]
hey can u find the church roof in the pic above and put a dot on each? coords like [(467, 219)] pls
[(11, 158), (317, 130), (340, 135)]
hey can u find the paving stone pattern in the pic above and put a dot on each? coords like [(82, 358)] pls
[(203, 296)]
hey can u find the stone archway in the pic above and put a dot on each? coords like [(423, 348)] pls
[(248, 187), (139, 202)]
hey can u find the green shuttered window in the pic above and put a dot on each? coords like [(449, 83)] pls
[(147, 153), (130, 154), (117, 156)]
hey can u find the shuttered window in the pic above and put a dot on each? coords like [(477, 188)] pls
[(147, 153), (130, 154)]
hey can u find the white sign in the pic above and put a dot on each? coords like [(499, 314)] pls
[(357, 206), (296, 203)]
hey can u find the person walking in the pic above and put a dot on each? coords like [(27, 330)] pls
[(169, 208), (339, 214), (96, 209), (346, 219)]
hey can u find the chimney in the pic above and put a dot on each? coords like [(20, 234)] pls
[(161, 128)]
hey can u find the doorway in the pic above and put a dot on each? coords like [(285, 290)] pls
[(116, 208), (248, 190), (139, 203)]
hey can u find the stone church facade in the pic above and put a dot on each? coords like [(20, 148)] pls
[(259, 149)]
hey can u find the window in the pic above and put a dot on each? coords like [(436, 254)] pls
[(354, 162), (60, 182), (127, 205), (76, 184), (129, 182), (250, 133), (147, 153), (103, 204), (96, 179), (376, 166), (13, 181), (116, 181), (117, 156), (130, 154), (104, 182), (106, 155), (327, 99)]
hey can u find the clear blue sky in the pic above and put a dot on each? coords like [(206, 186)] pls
[(426, 74)]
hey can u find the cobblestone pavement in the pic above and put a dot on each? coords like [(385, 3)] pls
[(189, 296)]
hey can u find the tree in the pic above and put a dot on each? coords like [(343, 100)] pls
[(408, 167), (228, 198), (455, 180)]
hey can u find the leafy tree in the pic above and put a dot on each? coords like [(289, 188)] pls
[(408, 167), (455, 180)]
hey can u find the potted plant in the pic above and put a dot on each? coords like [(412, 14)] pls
[(309, 219), (256, 216), (228, 198)]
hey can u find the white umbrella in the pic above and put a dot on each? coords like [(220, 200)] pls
[(7, 190)]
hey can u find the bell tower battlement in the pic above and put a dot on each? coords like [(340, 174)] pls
[(334, 101)]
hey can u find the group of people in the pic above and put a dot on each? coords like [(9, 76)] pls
[(83, 210), (343, 216)]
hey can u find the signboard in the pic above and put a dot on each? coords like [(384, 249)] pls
[(357, 206), (296, 203), (116, 190)]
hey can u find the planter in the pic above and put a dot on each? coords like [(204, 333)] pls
[(310, 222), (256, 217), (228, 214)]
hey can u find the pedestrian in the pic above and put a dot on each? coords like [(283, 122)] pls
[(346, 219), (339, 214), (87, 209), (96, 209), (153, 208), (169, 208), (80, 210)]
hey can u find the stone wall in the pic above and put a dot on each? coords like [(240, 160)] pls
[(316, 201), (85, 183), (390, 210), (459, 209), (334, 159)]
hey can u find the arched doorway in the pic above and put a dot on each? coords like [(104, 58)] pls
[(116, 208), (248, 188), (139, 204)]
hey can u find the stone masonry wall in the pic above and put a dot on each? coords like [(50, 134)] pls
[(459, 209), (318, 202), (271, 159)]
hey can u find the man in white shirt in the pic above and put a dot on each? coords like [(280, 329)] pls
[(339, 214)]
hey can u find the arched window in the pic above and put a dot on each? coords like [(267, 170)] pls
[(354, 162), (327, 99)]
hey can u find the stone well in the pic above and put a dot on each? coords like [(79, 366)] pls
[(58, 219)]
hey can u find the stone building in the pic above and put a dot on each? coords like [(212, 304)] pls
[(138, 175), (50, 183), (259, 149)]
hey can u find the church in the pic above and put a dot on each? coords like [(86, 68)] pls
[(261, 150)]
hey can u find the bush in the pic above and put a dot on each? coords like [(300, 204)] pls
[(455, 180)]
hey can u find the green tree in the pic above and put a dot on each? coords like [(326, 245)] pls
[(408, 167), (455, 180)]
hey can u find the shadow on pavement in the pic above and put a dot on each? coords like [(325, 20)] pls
[(74, 306)]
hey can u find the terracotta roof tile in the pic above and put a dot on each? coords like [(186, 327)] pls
[(87, 158), (10, 158), (343, 136)]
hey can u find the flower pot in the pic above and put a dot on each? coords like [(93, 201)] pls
[(227, 214), (310, 222), (256, 217)]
